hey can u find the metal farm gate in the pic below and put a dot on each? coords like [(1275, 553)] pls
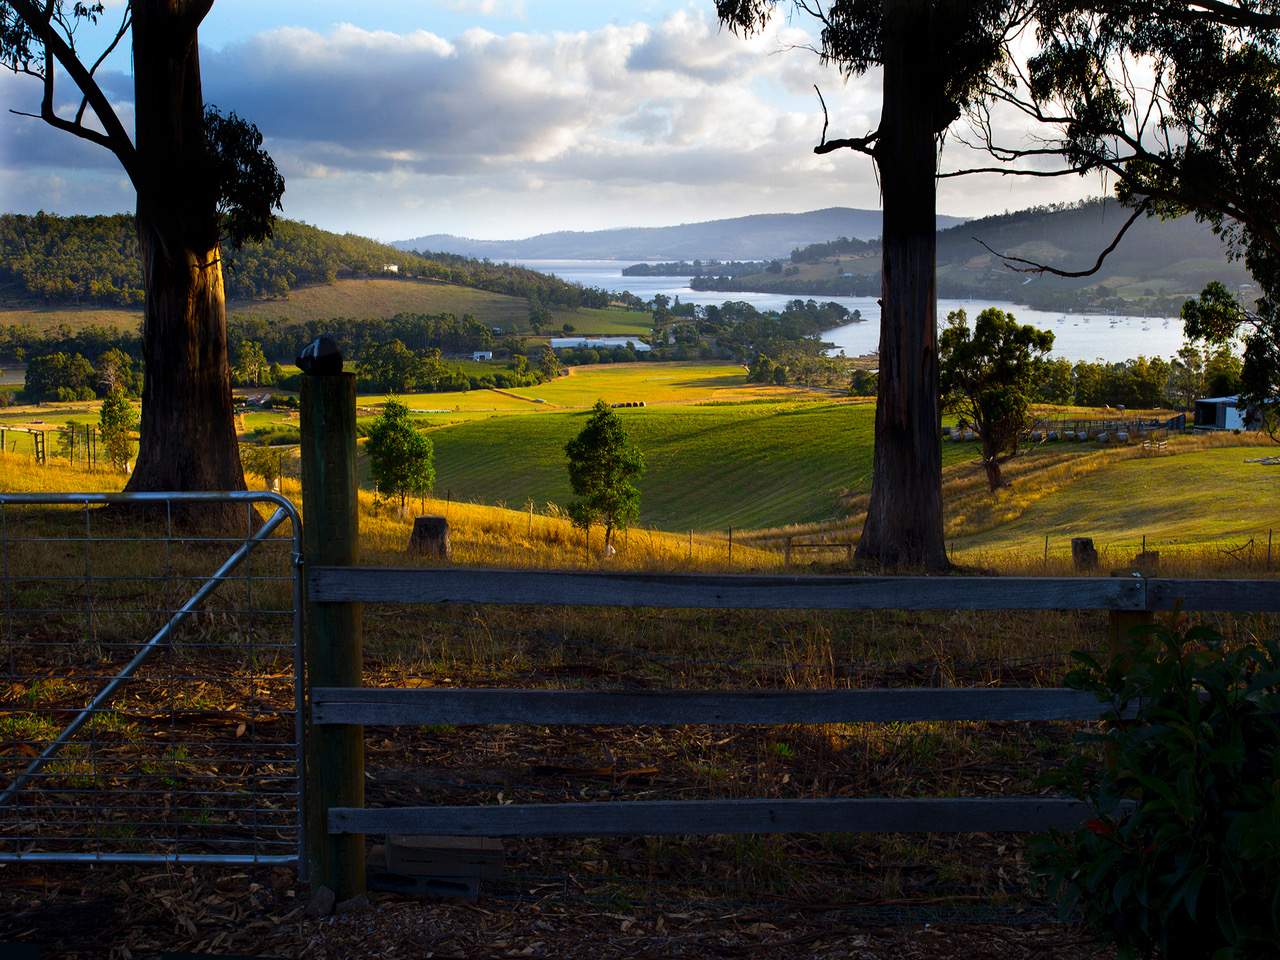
[(151, 707)]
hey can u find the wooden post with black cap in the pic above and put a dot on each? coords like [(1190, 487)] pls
[(330, 537)]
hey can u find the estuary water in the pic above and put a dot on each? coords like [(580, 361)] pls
[(1088, 337)]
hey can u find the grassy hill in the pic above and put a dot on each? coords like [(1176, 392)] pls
[(709, 466), (363, 297)]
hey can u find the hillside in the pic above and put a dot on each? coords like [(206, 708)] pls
[(761, 236), (94, 261), (1157, 264)]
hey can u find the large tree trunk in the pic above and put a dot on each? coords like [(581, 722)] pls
[(904, 518), (188, 439)]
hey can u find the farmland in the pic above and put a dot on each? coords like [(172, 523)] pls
[(724, 453), (366, 297)]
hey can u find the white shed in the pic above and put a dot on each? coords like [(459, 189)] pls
[(1221, 413)]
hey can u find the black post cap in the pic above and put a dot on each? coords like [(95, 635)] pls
[(321, 356)]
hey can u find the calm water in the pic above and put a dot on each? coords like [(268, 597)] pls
[(1076, 336)]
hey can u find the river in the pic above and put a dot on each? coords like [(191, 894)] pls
[(1086, 337)]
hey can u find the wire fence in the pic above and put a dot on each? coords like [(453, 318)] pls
[(151, 708)]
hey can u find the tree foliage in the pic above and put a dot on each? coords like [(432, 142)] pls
[(1200, 134), (1191, 736), (264, 461), (602, 467), (400, 455), (199, 178), (116, 421), (59, 376), (987, 376)]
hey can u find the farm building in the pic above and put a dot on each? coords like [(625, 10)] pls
[(598, 343), (1222, 413), (482, 355)]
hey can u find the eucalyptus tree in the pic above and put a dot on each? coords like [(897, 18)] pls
[(200, 177), (989, 375), (1178, 103), (939, 59)]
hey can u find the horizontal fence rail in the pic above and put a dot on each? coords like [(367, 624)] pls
[(538, 777), (482, 586), (691, 817), (391, 706)]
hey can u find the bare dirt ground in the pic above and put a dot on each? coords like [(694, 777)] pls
[(141, 913)]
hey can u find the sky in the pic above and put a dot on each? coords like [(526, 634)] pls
[(503, 119)]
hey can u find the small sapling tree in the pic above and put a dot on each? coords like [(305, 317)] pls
[(264, 461), (400, 456), (987, 376), (602, 466), (116, 421)]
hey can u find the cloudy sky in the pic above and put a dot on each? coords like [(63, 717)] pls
[(501, 119)]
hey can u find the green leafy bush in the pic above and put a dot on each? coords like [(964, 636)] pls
[(1182, 855), (277, 435)]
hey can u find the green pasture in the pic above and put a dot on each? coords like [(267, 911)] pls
[(386, 297), (44, 319), (1205, 497), (652, 382), (747, 465), (595, 322), (372, 297)]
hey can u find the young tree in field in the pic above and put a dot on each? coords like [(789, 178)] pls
[(264, 461), (400, 455), (200, 178), (988, 376), (115, 421), (602, 466), (938, 58)]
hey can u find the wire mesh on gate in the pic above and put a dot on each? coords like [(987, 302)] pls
[(151, 711)]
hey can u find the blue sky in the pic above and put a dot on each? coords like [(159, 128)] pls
[(500, 119)]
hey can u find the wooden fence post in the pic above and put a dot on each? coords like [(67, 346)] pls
[(330, 537)]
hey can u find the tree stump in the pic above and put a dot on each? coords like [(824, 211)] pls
[(430, 537), (1150, 559), (1083, 555)]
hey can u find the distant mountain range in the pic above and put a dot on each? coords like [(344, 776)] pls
[(759, 237)]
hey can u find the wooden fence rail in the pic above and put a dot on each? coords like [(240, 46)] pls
[(571, 588), (335, 593)]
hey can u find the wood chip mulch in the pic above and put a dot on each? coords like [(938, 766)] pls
[(139, 914)]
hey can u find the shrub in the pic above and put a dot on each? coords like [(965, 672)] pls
[(1188, 870), (277, 435)]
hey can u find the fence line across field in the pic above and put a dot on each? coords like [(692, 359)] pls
[(340, 708)]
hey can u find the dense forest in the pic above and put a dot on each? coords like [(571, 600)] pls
[(698, 268), (95, 260)]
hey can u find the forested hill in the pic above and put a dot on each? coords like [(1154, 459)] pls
[(95, 260), (754, 237)]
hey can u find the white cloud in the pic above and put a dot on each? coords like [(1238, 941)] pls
[(489, 8), (398, 134)]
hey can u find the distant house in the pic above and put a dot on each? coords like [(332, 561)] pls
[(391, 268), (598, 343), (482, 355), (1222, 413)]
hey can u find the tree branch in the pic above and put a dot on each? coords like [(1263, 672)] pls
[(1040, 268), (861, 144), (116, 139)]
